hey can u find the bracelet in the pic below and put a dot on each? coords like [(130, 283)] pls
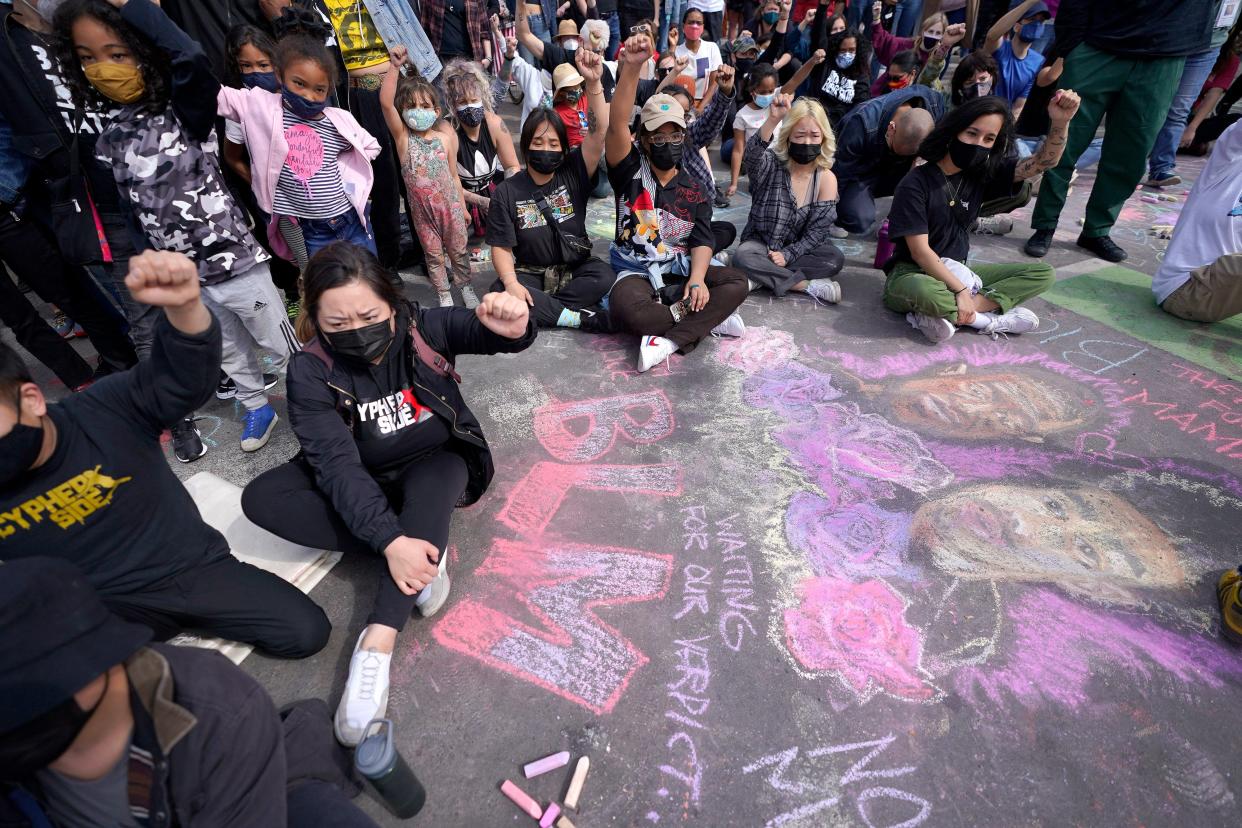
[(959, 292)]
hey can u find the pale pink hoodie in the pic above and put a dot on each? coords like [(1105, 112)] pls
[(260, 114)]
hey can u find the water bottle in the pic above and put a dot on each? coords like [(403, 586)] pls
[(377, 759), (883, 247)]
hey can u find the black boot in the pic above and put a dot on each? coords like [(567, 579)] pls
[(1038, 244), (1104, 247)]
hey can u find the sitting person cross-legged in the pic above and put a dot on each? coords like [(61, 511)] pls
[(786, 245), (86, 479), (668, 293), (968, 162)]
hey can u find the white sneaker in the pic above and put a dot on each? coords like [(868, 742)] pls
[(724, 257), (838, 232), (366, 694), (752, 285), (433, 596), (653, 349), (1017, 321), (468, 297), (733, 326), (446, 299), (825, 290), (993, 226), (935, 328)]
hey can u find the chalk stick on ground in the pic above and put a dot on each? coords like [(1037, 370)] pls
[(564, 822), (521, 799), (547, 763), (550, 815), (575, 784)]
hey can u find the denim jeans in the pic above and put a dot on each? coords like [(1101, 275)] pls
[(540, 30), (397, 24), (906, 18), (1163, 156), (1089, 158), (614, 35), (670, 15), (319, 233)]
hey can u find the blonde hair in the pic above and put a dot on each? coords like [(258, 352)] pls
[(807, 108), (461, 77), (938, 17)]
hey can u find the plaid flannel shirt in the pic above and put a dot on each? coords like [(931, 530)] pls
[(775, 218), (476, 24)]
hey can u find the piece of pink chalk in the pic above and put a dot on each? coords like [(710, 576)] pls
[(550, 815), (521, 799), (547, 763)]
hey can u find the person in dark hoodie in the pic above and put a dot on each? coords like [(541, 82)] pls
[(389, 447), (86, 479)]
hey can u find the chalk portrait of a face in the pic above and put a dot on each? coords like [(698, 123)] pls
[(1088, 541), (991, 405)]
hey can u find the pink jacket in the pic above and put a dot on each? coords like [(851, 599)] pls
[(260, 114)]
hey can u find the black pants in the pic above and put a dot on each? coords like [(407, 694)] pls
[(590, 284), (724, 233), (232, 600), (637, 308), (713, 26), (29, 251), (34, 334), (286, 502), (364, 105)]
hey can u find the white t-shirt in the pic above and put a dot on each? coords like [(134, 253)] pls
[(233, 132), (1211, 222), (707, 5), (749, 119), (702, 64)]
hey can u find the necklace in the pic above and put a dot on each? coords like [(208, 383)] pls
[(955, 193)]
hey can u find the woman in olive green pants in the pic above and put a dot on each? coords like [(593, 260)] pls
[(934, 207)]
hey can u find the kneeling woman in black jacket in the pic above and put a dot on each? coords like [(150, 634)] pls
[(389, 447)]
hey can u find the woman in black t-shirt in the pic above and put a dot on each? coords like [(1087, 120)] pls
[(485, 153), (547, 266), (968, 162)]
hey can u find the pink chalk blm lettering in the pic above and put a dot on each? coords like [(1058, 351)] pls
[(558, 586), (585, 430), (305, 156), (547, 763), (537, 496)]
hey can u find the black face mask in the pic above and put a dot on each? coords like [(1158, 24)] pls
[(545, 162), (665, 157), (968, 156), (743, 66), (18, 450), (44, 739), (363, 344), (803, 153)]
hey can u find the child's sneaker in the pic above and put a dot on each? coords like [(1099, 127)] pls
[(468, 297), (227, 389), (187, 442), (446, 299), (1229, 596), (257, 427)]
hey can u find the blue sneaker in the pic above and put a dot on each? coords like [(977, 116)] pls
[(257, 428)]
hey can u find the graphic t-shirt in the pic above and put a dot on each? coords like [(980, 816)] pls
[(943, 207), (174, 185), (516, 222), (309, 185), (702, 64), (392, 428), (478, 165), (359, 39), (655, 221), (748, 119), (107, 499)]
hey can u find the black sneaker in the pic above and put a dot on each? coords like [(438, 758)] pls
[(721, 200), (269, 380), (595, 320), (227, 389), (1104, 247), (1038, 244), (187, 441)]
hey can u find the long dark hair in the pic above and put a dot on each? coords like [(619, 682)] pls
[(862, 58), (971, 65), (537, 118), (243, 34), (936, 145), (152, 61), (340, 263)]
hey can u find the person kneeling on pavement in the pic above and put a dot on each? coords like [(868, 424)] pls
[(86, 479), (668, 291)]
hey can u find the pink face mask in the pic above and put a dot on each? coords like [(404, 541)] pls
[(693, 31)]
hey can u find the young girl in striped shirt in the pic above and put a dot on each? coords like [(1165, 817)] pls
[(309, 161), (428, 149)]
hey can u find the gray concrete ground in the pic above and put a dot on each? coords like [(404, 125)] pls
[(829, 574)]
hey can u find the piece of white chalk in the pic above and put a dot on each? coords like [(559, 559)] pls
[(547, 763), (564, 822), (575, 784), (550, 815), (521, 799)]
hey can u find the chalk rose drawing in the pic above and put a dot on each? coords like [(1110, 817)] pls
[(760, 348), (790, 390), (856, 457), (857, 541), (859, 632)]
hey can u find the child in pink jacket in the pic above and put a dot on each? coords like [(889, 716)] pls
[(308, 161)]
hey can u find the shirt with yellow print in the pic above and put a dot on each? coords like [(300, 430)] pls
[(359, 40)]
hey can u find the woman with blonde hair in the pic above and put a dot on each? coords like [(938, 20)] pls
[(785, 245), (485, 153)]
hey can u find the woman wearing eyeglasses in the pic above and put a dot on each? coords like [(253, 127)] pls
[(667, 291)]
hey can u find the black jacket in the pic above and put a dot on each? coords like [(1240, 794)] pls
[(321, 411), (1143, 29)]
